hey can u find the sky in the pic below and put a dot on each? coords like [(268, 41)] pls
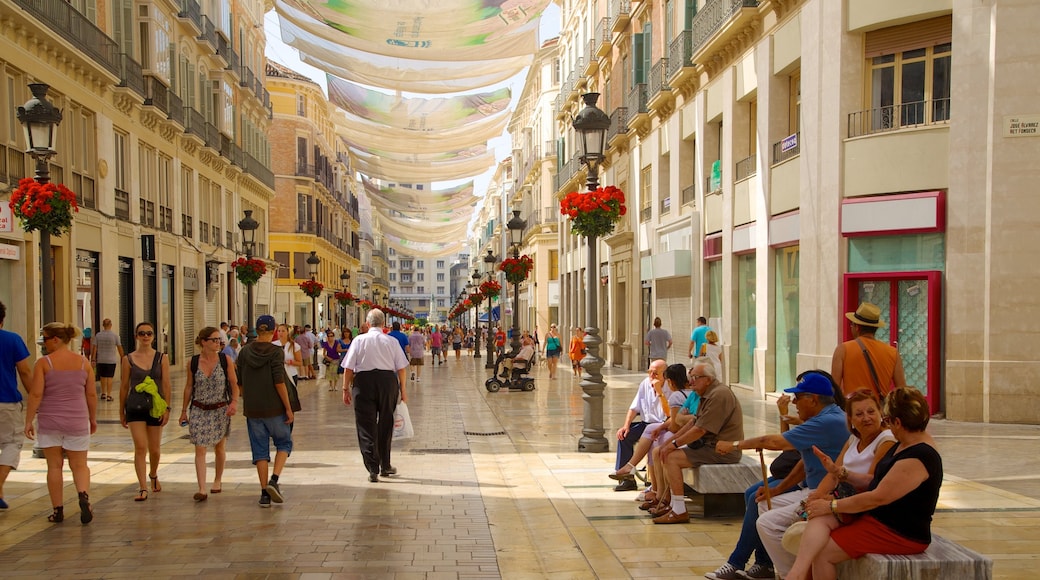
[(289, 57)]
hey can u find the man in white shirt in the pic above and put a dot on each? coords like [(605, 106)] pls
[(646, 404), (374, 376), (521, 358)]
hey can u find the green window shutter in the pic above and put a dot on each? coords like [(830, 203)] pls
[(691, 11), (638, 72), (648, 35), (561, 152)]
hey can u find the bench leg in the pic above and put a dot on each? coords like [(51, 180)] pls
[(724, 505)]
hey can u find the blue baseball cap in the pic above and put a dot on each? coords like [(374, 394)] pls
[(266, 323), (814, 384)]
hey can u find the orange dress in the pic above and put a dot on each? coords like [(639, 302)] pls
[(576, 348)]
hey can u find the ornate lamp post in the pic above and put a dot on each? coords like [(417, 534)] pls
[(312, 270), (248, 226), (591, 125), (489, 265), (476, 316), (40, 119), (344, 280), (516, 228)]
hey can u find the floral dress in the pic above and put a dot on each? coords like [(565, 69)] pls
[(206, 427)]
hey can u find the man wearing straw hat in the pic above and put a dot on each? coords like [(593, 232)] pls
[(865, 362)]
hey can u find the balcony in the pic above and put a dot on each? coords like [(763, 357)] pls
[(212, 136), (235, 65), (71, 25), (645, 213), (618, 124), (689, 195), (567, 173), (604, 36), (635, 102), (176, 112), (659, 94), (191, 12), (307, 227), (896, 117), (591, 59), (130, 75), (122, 209), (680, 68), (208, 33), (247, 79), (620, 12), (223, 49), (718, 22), (666, 206), (745, 168), (787, 148), (195, 123), (156, 94)]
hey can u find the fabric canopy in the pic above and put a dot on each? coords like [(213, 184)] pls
[(356, 129), (391, 170), (424, 29), (424, 249), (409, 200)]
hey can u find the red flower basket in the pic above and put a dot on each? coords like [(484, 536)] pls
[(593, 214), (490, 289), (249, 271), (474, 300), (343, 297), (517, 269), (43, 206), (312, 288)]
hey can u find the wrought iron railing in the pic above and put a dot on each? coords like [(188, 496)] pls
[(712, 16), (74, 27), (902, 116), (156, 94), (259, 170), (658, 81), (689, 194), (212, 136), (618, 123), (645, 212), (635, 102), (604, 34), (247, 79), (209, 32), (176, 112), (679, 52), (130, 75), (190, 10), (745, 168), (619, 10), (787, 148), (194, 123), (223, 48)]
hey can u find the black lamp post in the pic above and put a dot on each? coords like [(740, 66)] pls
[(248, 225), (312, 270), (489, 265), (40, 120), (476, 315), (591, 125), (516, 228), (344, 280)]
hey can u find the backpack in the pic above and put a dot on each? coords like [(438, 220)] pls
[(223, 365)]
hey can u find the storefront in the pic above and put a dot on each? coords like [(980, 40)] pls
[(88, 291)]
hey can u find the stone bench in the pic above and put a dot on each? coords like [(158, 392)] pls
[(942, 559), (723, 485)]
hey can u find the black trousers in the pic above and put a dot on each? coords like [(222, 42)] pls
[(375, 398), (627, 446)]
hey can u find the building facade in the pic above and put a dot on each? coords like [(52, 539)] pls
[(785, 160), (164, 141)]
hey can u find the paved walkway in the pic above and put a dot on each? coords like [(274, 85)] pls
[(492, 486)]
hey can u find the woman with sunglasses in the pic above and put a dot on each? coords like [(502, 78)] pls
[(63, 393), (145, 430), (212, 396)]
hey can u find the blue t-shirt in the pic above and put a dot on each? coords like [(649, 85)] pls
[(401, 338), (828, 431), (699, 336), (693, 401), (12, 352)]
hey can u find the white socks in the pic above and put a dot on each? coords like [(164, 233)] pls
[(679, 505)]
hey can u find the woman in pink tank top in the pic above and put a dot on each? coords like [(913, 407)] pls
[(64, 402)]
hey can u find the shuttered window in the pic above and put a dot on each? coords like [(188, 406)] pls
[(897, 39)]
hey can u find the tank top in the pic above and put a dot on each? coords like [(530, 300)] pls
[(911, 515), (860, 461), (137, 374), (856, 374), (63, 409), (289, 350)]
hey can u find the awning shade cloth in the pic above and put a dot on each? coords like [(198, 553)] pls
[(417, 114)]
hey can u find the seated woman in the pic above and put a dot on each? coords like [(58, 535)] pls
[(676, 394), (897, 507)]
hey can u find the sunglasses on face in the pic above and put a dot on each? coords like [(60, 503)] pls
[(145, 333), (212, 339)]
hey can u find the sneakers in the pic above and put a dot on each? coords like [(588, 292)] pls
[(265, 499), (758, 571), (725, 572), (3, 504), (388, 471), (274, 492)]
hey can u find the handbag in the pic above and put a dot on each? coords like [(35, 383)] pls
[(294, 395), (138, 402), (403, 422)]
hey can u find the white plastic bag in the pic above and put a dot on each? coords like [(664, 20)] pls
[(402, 422)]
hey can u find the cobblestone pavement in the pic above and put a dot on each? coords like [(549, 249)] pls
[(491, 486)]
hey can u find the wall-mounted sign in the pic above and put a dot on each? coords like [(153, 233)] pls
[(9, 252), (1022, 126), (788, 143), (6, 218), (191, 278)]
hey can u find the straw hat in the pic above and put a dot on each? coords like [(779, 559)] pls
[(867, 315)]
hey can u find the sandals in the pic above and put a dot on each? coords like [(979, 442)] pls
[(57, 516), (156, 488), (142, 495), (86, 512), (215, 490), (618, 476), (199, 496)]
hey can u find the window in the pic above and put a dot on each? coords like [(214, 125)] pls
[(646, 194), (795, 114), (420, 277), (393, 277), (786, 312), (440, 263), (283, 264), (554, 264), (393, 263), (440, 290), (440, 277), (148, 179), (165, 181), (420, 289), (82, 154), (204, 193), (187, 201), (419, 264), (304, 217), (301, 105), (910, 88)]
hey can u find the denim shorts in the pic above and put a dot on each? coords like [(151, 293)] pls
[(261, 431)]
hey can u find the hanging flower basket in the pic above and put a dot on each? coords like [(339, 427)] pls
[(43, 206), (367, 304), (474, 300), (249, 271), (343, 297), (517, 269), (312, 288), (490, 289), (594, 214)]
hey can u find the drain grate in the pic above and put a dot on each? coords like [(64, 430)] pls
[(488, 434), (439, 451)]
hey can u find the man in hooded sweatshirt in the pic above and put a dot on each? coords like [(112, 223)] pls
[(265, 403)]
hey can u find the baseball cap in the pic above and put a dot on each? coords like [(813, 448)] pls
[(265, 323), (815, 384)]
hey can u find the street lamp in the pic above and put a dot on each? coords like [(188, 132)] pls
[(591, 125), (40, 120), (344, 280), (489, 265), (312, 270), (476, 339), (516, 228), (248, 225)]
